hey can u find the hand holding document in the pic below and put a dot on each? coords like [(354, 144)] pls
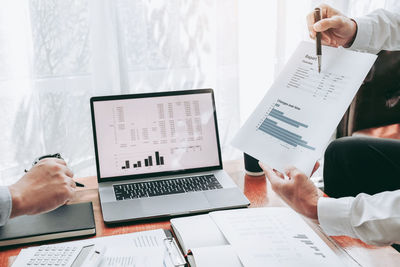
[(292, 124)]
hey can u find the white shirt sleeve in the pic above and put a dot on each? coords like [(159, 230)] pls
[(373, 219), (5, 204), (379, 30)]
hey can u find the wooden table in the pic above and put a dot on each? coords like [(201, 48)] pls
[(260, 194)]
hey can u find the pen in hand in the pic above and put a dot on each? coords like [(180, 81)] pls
[(78, 184), (58, 156), (317, 17)]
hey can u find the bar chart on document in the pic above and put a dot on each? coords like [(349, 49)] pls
[(294, 121), (156, 134), (285, 120), (280, 124), (287, 132)]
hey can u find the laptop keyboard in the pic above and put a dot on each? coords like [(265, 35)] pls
[(166, 187)]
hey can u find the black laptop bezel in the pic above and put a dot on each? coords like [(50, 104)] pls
[(147, 95)]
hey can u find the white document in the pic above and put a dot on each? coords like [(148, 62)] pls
[(207, 234), (295, 119), (214, 257), (122, 256), (274, 237), (207, 245), (141, 249)]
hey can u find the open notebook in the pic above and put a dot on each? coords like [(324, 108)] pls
[(252, 237)]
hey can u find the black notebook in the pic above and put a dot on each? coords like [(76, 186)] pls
[(65, 221)]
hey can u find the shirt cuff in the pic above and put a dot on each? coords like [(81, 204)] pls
[(364, 34), (5, 204), (334, 215)]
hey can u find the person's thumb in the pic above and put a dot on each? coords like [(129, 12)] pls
[(329, 23), (295, 174)]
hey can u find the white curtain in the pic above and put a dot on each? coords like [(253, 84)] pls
[(55, 55)]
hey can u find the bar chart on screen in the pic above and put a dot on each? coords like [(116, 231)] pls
[(149, 161), (147, 135)]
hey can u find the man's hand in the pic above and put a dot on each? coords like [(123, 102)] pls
[(45, 187), (337, 29), (298, 192)]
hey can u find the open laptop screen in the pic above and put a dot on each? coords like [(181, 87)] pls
[(149, 134)]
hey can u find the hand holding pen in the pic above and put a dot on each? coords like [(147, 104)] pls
[(47, 185), (336, 29), (57, 156)]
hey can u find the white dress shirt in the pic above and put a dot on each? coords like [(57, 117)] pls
[(373, 219), (379, 30)]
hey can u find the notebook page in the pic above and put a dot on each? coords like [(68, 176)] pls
[(197, 231), (214, 257), (274, 237)]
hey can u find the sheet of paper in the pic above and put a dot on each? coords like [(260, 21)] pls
[(274, 237), (197, 231), (141, 249), (215, 257), (144, 249), (145, 239), (122, 256), (299, 113)]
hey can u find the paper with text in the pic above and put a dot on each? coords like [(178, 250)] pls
[(140, 249), (274, 237), (294, 121), (122, 256)]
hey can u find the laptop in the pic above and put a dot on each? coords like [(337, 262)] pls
[(158, 155)]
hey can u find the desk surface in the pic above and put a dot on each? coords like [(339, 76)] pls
[(260, 194)]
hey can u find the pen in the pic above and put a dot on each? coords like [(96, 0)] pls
[(79, 184), (317, 17)]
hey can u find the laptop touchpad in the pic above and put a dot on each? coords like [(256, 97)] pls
[(171, 204)]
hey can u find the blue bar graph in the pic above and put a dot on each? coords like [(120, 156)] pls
[(279, 116), (271, 127)]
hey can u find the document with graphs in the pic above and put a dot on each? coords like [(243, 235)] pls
[(273, 237), (295, 119)]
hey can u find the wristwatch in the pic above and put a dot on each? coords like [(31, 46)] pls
[(56, 155)]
